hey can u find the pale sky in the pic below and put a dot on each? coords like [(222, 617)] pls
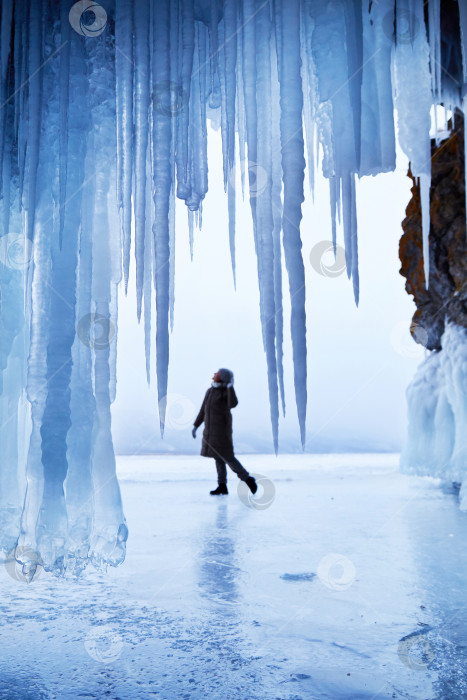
[(359, 360)]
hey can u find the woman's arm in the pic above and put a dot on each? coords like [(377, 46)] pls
[(232, 400), (200, 416)]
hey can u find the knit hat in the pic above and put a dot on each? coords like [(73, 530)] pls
[(226, 376)]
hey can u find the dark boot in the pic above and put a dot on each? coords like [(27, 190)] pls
[(220, 491), (251, 483)]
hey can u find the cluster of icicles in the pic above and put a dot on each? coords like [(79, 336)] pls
[(103, 122)]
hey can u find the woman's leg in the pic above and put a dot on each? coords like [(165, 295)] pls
[(221, 471), (236, 467)]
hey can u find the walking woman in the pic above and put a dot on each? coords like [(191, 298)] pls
[(217, 435)]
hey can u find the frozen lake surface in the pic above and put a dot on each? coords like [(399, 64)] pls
[(348, 581)]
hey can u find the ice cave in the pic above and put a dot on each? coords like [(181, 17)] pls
[(106, 109)]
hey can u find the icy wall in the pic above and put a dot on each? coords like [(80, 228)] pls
[(437, 413), (103, 121), (437, 397)]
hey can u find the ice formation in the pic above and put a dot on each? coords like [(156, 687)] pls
[(437, 413), (103, 122)]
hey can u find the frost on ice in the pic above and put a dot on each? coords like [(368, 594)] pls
[(103, 122)]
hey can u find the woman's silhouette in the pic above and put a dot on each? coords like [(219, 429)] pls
[(217, 434)]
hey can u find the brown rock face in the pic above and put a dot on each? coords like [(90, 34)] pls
[(446, 295)]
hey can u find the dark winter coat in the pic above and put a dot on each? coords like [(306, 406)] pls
[(215, 412)]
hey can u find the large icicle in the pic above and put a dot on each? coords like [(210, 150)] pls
[(109, 532), (264, 215), (162, 180), (56, 420), (339, 70), (293, 166), (413, 100), (228, 59)]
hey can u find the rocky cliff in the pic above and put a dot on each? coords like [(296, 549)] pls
[(446, 296)]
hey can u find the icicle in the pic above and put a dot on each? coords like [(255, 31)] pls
[(34, 109), (78, 483), (109, 528), (347, 209), (333, 203), (240, 118), (224, 129), (378, 151), (6, 16), (141, 22), (162, 149), (232, 224), (177, 136), (197, 121), (287, 27), (148, 268), (124, 93), (20, 73), (183, 85), (264, 216), (434, 18), (37, 384), (52, 524), (215, 97), (276, 201), (230, 68), (425, 182), (172, 254), (65, 30), (190, 231), (354, 241), (249, 95), (227, 78), (309, 89), (413, 99)]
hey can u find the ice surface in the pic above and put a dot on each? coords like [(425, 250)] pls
[(351, 584), (103, 114)]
